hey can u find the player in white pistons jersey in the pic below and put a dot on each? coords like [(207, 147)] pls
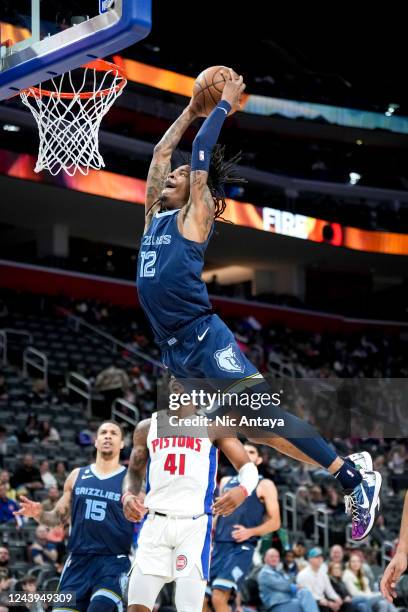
[(180, 474), (175, 539)]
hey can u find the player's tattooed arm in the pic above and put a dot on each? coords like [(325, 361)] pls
[(160, 164), (198, 215), (138, 459), (133, 507), (60, 515)]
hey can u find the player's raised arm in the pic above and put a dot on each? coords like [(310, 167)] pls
[(198, 215), (160, 164), (133, 508), (60, 515), (234, 450)]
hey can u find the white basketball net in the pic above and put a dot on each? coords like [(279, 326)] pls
[(68, 124)]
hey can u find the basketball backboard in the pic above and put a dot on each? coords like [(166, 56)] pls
[(44, 38)]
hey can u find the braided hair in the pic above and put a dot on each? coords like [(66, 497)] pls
[(221, 172)]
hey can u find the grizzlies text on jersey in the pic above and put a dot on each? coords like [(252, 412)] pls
[(98, 523), (171, 291)]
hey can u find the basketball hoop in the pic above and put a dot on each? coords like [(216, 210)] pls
[(68, 121)]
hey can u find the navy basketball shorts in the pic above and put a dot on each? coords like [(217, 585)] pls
[(209, 350), (230, 565), (94, 576)]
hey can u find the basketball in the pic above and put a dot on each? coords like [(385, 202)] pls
[(208, 87)]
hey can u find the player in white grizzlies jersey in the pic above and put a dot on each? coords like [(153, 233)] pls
[(175, 539)]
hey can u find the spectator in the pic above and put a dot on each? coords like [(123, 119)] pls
[(4, 560), (5, 479), (335, 502), (314, 577), (30, 431), (357, 585), (47, 433), (336, 554), (335, 572), (7, 579), (42, 551), (289, 564), (3, 444), (47, 478), (7, 506), (27, 475), (305, 509), (299, 550), (396, 465), (53, 496), (112, 382), (6, 585), (316, 497), (397, 460), (60, 473), (278, 593), (38, 393), (28, 584)]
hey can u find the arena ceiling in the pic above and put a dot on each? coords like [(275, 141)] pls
[(339, 53)]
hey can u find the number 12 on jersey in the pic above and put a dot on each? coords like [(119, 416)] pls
[(147, 261), (170, 465)]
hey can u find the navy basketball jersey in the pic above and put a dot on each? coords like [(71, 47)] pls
[(98, 525), (171, 291), (249, 514)]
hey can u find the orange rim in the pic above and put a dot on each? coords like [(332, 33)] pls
[(100, 66)]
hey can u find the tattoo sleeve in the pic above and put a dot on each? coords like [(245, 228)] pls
[(201, 203), (59, 516), (173, 135), (138, 459), (160, 166)]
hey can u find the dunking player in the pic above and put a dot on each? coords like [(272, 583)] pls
[(181, 206), (236, 535), (174, 541), (100, 537)]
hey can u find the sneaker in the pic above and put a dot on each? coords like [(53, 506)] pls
[(362, 461), (363, 504)]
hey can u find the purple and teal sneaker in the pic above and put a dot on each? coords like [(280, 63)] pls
[(362, 461), (363, 504)]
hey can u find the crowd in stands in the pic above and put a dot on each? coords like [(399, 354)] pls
[(287, 562)]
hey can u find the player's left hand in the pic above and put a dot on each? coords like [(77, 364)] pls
[(392, 574), (226, 503), (240, 533), (133, 508)]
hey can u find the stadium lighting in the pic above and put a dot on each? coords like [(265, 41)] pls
[(354, 177), (391, 109), (9, 127)]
